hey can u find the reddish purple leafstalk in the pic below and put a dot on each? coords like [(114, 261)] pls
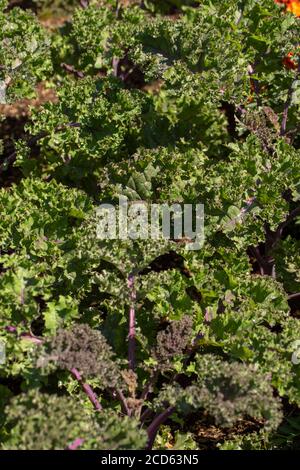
[(131, 335), (87, 389), (11, 329), (30, 337), (156, 423), (75, 444)]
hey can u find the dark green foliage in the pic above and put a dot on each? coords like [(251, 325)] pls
[(162, 102), (25, 55), (42, 421)]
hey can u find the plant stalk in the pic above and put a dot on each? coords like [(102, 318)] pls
[(87, 389), (156, 423), (131, 335)]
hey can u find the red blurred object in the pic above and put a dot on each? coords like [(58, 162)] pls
[(291, 5), (289, 63)]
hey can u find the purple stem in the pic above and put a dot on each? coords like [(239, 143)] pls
[(294, 296), (28, 336), (131, 335), (84, 3), (263, 264), (125, 408), (75, 444), (87, 389), (295, 213), (118, 6), (156, 423), (11, 329), (115, 66), (71, 69), (31, 338)]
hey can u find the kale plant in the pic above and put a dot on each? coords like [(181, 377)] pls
[(130, 343)]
